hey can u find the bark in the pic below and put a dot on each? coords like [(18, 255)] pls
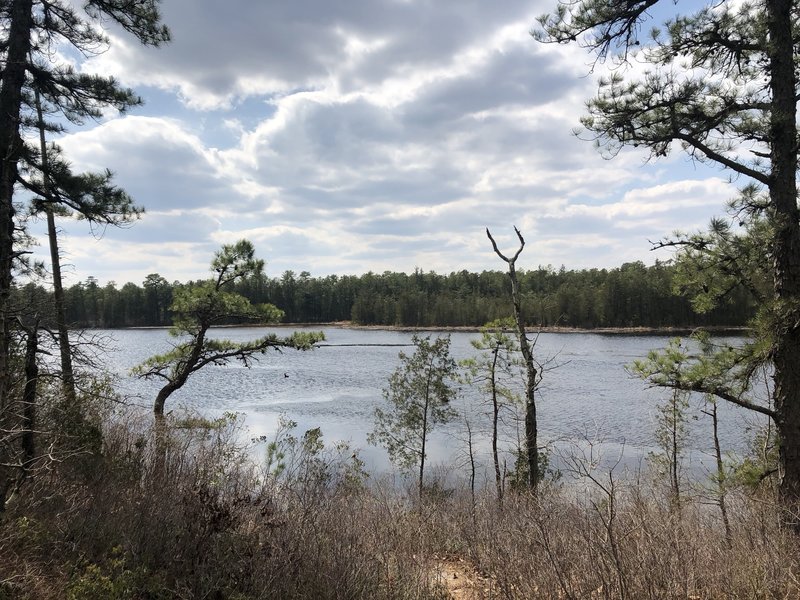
[(425, 408), (12, 477), (161, 398), (498, 478), (29, 396), (531, 432), (674, 458), (786, 251), (720, 479), (11, 84), (181, 376), (67, 374), (183, 371), (12, 79), (472, 466)]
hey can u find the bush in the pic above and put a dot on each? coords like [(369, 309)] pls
[(197, 519)]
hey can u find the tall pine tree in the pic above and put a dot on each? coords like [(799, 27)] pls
[(721, 85), (33, 34)]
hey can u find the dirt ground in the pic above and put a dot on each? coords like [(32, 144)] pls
[(461, 581)]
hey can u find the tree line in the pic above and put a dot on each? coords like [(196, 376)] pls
[(632, 295)]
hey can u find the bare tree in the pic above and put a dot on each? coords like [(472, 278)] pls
[(531, 371), (719, 478)]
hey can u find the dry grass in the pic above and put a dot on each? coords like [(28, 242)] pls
[(199, 521)]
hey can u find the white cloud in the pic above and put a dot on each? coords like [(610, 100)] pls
[(367, 135), (676, 196)]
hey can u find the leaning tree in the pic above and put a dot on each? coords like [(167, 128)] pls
[(199, 307)]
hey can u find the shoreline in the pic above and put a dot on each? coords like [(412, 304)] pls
[(676, 331)]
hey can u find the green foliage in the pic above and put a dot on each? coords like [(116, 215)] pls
[(308, 464), (632, 295), (281, 445), (670, 435), (761, 461), (197, 308), (498, 361), (709, 367), (90, 196), (200, 422), (419, 395), (711, 266), (721, 84), (519, 476), (719, 371), (499, 373), (58, 88), (212, 302), (702, 86), (115, 580), (671, 431)]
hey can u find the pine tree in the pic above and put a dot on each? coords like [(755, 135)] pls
[(721, 85), (497, 371), (419, 396), (33, 34), (198, 307)]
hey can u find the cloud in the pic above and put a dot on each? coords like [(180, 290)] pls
[(158, 160), (223, 52), (677, 197), (367, 135)]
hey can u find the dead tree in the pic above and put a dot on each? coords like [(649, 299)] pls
[(531, 432)]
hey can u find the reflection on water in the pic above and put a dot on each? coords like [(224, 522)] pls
[(589, 395)]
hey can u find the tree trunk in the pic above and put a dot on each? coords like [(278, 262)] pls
[(783, 196), (498, 478), (425, 428), (67, 374), (12, 79), (471, 462), (29, 396), (181, 376), (531, 429), (422, 453), (673, 459), (720, 478), (531, 432), (161, 399), (11, 83)]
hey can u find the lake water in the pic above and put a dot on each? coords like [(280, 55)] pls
[(589, 395)]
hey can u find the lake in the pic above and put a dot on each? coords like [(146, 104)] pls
[(587, 395)]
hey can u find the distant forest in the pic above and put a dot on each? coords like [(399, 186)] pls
[(633, 295)]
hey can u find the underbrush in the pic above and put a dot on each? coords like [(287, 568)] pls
[(192, 517)]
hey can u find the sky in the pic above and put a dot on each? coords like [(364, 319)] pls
[(366, 135)]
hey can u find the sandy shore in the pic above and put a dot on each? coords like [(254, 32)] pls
[(599, 330)]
